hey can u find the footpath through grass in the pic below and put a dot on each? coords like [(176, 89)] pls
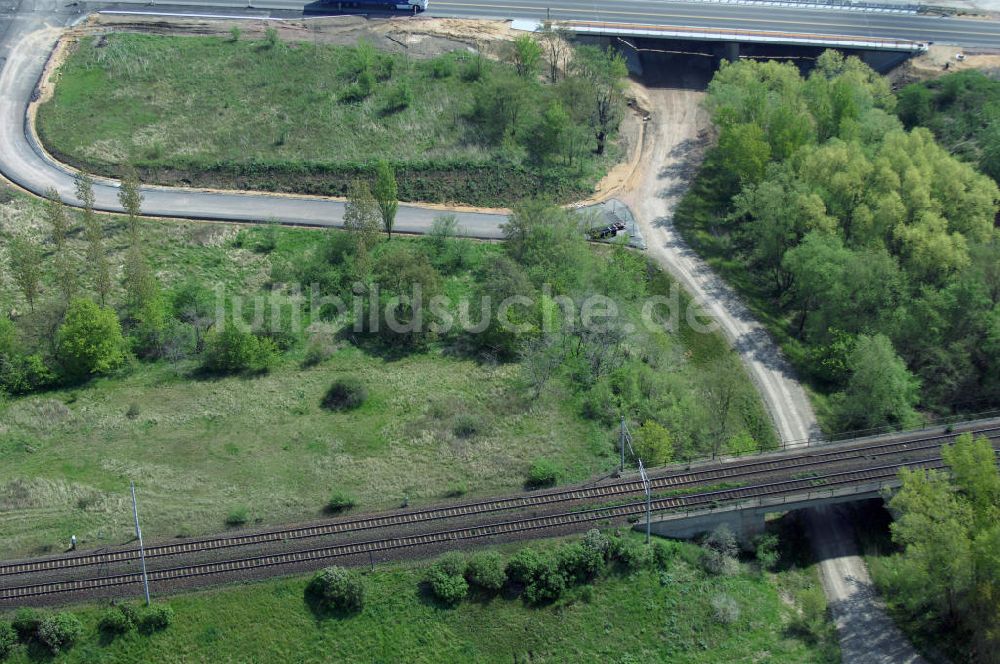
[(678, 614), (305, 117)]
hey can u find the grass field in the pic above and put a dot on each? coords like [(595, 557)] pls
[(645, 616), (200, 448), (212, 112)]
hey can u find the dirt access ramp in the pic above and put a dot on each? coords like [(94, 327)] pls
[(420, 37)]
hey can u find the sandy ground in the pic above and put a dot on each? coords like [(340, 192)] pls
[(420, 37), (676, 136), (941, 59)]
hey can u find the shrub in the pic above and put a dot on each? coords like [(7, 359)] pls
[(523, 566), (232, 350), (486, 571), (453, 563), (271, 37), (442, 67), (653, 444), (234, 34), (719, 551), (467, 425), (319, 349), (345, 394), (399, 98), (456, 490), (596, 541), (446, 578), (726, 609), (766, 551), (337, 589), (360, 90), (115, 621), (156, 617), (59, 631), (579, 563), (630, 554), (663, 553), (237, 516), (26, 622), (542, 473), (8, 639), (339, 502), (547, 585), (811, 621)]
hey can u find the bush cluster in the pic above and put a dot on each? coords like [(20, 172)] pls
[(232, 350), (337, 590), (345, 394), (446, 578), (540, 577), (542, 473), (340, 502)]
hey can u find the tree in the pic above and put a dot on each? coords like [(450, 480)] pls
[(948, 528), (336, 589), (721, 388), (361, 219), (880, 391), (501, 108), (26, 266), (555, 43), (55, 213), (653, 444), (130, 198), (386, 194), (407, 283), (89, 342), (605, 71), (916, 105), (65, 270), (744, 152), (551, 135), (527, 55), (97, 258)]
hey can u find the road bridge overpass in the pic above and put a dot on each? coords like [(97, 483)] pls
[(775, 22)]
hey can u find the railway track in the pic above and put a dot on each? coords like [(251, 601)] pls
[(609, 492), (514, 526)]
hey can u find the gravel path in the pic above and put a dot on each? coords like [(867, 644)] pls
[(673, 151)]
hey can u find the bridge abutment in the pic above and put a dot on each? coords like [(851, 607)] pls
[(746, 518)]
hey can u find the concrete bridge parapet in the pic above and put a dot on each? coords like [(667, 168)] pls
[(746, 518)]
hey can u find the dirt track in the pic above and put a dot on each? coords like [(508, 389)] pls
[(676, 137)]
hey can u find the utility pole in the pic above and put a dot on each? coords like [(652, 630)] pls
[(142, 550), (649, 497), (621, 444)]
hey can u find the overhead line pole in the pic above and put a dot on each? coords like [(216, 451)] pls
[(142, 550)]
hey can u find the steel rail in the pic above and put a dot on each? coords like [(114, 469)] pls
[(673, 480), (585, 516)]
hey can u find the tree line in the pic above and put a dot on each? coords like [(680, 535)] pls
[(873, 245)]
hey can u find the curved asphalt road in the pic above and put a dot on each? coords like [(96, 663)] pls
[(25, 164)]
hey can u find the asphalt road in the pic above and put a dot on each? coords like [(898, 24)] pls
[(964, 32), (25, 49)]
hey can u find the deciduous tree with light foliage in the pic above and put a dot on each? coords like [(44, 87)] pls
[(89, 341)]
